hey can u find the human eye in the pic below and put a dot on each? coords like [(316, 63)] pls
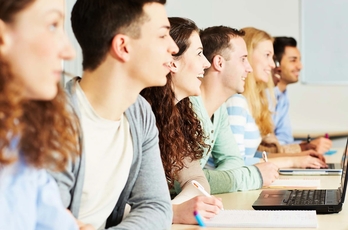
[(53, 27), (200, 53)]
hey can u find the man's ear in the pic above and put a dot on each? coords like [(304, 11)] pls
[(120, 47), (217, 62)]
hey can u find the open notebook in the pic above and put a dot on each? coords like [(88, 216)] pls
[(264, 219)]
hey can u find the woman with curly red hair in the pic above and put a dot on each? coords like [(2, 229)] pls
[(37, 131), (180, 132)]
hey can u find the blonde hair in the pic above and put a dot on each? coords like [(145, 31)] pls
[(255, 91)]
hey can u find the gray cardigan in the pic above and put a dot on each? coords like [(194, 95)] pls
[(146, 190)]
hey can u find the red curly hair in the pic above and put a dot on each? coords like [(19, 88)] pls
[(47, 130)]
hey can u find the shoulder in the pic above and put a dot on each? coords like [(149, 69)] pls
[(237, 100), (140, 117), (140, 109)]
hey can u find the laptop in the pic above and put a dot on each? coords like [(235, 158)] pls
[(332, 169), (323, 201)]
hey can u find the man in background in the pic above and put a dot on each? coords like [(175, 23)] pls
[(288, 66)]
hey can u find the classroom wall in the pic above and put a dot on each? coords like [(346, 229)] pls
[(317, 108)]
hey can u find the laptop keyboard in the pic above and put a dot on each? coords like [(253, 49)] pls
[(307, 197)]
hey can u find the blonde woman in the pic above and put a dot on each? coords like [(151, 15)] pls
[(250, 115)]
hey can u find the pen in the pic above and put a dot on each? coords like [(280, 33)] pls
[(309, 139), (264, 156), (199, 219), (201, 189)]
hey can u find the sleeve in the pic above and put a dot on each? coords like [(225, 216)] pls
[(235, 176), (149, 199), (191, 171), (65, 181), (238, 179), (225, 150), (49, 207), (238, 120), (282, 124)]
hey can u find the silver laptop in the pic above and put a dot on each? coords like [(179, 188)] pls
[(333, 168)]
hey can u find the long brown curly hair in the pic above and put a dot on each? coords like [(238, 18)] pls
[(180, 132), (47, 130)]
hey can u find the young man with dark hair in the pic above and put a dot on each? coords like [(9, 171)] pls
[(126, 47), (289, 66), (226, 50)]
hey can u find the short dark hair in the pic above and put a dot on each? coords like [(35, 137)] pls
[(96, 22), (217, 38), (181, 30), (279, 45)]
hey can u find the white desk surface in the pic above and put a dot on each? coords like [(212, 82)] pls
[(244, 200)]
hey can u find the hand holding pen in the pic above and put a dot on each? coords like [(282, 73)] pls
[(198, 186), (322, 144), (206, 206)]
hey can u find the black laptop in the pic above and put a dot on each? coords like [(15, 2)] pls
[(323, 201)]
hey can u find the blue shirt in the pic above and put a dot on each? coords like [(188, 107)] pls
[(281, 118), (29, 200), (244, 128)]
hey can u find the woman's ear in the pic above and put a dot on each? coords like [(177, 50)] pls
[(173, 66), (5, 40)]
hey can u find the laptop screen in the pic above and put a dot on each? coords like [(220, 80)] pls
[(344, 170)]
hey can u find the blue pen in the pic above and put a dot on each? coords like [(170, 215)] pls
[(199, 219)]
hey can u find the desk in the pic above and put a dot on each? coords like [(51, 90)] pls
[(303, 134), (244, 200)]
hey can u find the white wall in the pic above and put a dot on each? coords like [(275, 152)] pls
[(317, 108)]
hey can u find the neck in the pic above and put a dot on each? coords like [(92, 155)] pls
[(282, 86), (213, 93), (109, 89)]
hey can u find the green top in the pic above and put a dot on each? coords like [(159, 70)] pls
[(230, 174)]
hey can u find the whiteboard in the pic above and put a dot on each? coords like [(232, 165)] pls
[(324, 42)]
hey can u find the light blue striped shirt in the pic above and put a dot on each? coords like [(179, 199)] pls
[(244, 128)]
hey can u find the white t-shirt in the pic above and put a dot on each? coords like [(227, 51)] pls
[(109, 154)]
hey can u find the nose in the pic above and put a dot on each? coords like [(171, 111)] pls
[(299, 66), (172, 48), (248, 67), (67, 52), (272, 64), (206, 63)]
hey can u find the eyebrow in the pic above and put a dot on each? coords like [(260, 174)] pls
[(165, 27), (55, 11), (293, 57)]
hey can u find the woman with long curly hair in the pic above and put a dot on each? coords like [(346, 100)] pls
[(180, 132), (37, 131), (250, 115)]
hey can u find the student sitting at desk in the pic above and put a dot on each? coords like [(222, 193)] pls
[(126, 47), (249, 114), (288, 58), (225, 48), (181, 136), (37, 131)]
